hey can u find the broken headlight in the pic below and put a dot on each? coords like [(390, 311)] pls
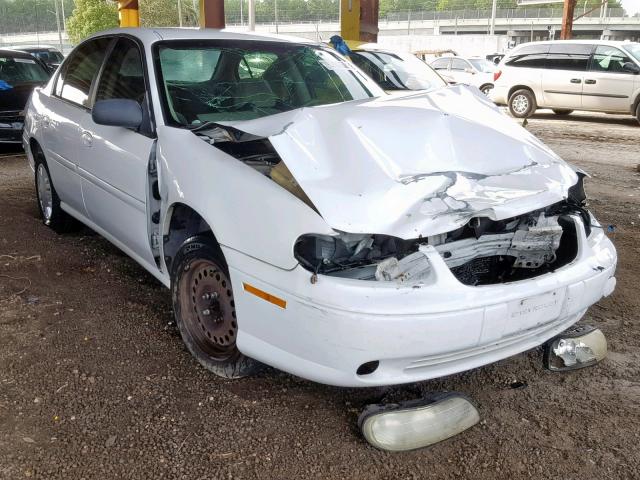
[(326, 253)]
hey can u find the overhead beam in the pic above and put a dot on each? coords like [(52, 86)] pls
[(212, 14), (567, 19), (128, 13), (359, 20)]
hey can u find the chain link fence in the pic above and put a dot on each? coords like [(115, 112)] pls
[(38, 22)]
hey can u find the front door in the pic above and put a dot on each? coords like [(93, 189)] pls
[(114, 161), (607, 85)]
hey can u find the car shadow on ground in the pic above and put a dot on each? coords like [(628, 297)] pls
[(588, 118)]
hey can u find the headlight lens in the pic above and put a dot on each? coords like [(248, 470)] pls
[(417, 424), (577, 347), (325, 253)]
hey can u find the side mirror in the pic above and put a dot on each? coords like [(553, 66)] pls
[(117, 112), (630, 67)]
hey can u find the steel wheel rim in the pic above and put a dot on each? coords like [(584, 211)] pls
[(45, 193), (520, 104), (208, 309), (486, 90)]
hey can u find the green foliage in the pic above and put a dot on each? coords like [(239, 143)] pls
[(91, 16), (30, 15), (164, 13)]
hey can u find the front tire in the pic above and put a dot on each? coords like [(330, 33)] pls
[(51, 213), (522, 103), (638, 112), (562, 111), (204, 309)]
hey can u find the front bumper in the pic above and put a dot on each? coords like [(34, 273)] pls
[(328, 329), (11, 129)]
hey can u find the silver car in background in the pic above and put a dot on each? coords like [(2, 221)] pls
[(591, 75)]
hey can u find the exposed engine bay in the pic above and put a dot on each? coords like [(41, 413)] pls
[(481, 252)]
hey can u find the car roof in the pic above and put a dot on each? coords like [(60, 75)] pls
[(613, 43), (149, 36), (8, 52)]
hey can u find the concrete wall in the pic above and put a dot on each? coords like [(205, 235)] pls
[(464, 45)]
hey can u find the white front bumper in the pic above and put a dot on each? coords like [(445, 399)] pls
[(330, 328)]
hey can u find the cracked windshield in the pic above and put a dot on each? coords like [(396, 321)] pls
[(247, 80)]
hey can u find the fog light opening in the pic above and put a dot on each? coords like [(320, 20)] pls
[(368, 368), (417, 423), (578, 347)]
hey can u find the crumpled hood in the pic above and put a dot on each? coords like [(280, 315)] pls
[(415, 165)]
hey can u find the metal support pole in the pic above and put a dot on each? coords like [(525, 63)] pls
[(241, 16), (58, 24), (180, 12), (494, 8), (275, 13), (252, 15), (64, 20)]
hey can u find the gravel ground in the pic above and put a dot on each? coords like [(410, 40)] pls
[(95, 382)]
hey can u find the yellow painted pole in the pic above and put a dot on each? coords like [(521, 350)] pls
[(359, 21), (128, 13)]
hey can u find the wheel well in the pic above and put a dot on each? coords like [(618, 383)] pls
[(488, 84), (34, 146), (184, 223), (520, 87)]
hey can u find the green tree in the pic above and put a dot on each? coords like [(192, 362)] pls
[(90, 16)]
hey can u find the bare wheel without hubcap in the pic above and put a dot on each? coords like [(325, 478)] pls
[(45, 194), (208, 312)]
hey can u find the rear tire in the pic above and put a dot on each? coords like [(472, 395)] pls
[(204, 309), (638, 112), (522, 103), (51, 213), (562, 111)]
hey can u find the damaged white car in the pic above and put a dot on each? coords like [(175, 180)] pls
[(304, 219)]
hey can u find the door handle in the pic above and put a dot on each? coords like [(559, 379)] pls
[(590, 82), (87, 139), (576, 80)]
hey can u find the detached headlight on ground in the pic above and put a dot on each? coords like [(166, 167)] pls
[(418, 423), (577, 347)]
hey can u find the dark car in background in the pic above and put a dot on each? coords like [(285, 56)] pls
[(50, 56), (20, 73)]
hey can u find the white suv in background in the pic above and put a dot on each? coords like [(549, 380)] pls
[(567, 75)]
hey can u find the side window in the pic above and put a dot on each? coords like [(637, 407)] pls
[(529, 56), (123, 76), (440, 64), (253, 64), (574, 57), (80, 69), (608, 59), (459, 65)]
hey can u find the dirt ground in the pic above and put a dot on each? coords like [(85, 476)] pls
[(96, 384)]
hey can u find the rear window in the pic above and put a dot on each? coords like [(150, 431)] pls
[(17, 70), (529, 56)]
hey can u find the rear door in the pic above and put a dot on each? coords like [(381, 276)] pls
[(113, 161), (61, 115), (563, 77), (608, 86)]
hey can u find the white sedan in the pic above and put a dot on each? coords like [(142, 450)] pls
[(306, 220)]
